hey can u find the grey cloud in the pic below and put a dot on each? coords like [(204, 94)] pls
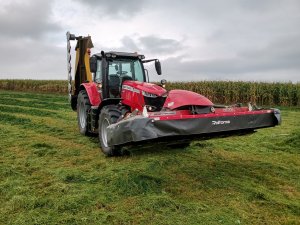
[(231, 66), (279, 54), (30, 19), (227, 69), (158, 45), (114, 9), (235, 18), (129, 44), (263, 6), (279, 60), (234, 39), (32, 59), (216, 10), (149, 45), (26, 41), (286, 46)]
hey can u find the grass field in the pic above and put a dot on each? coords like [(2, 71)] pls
[(50, 174)]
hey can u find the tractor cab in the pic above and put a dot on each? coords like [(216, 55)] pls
[(111, 69), (121, 76)]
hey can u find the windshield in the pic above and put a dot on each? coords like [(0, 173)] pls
[(130, 68)]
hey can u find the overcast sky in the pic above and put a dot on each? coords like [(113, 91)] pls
[(256, 40)]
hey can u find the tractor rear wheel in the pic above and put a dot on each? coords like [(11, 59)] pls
[(83, 107), (109, 115)]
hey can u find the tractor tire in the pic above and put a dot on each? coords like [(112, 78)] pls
[(109, 115), (83, 107)]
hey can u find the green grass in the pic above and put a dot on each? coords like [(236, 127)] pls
[(50, 174)]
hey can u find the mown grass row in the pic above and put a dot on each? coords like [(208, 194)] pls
[(222, 92)]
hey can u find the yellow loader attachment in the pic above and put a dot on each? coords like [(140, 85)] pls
[(82, 65)]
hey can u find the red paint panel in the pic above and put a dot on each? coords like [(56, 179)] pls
[(178, 98), (185, 114), (133, 99), (93, 93), (148, 87)]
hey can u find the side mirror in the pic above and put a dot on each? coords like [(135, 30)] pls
[(158, 67), (93, 64)]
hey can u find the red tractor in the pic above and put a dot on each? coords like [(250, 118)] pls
[(114, 99)]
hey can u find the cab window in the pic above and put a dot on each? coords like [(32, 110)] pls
[(126, 68), (98, 76)]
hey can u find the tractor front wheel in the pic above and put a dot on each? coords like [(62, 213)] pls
[(83, 106), (109, 115)]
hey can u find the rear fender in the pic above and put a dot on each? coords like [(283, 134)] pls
[(92, 92)]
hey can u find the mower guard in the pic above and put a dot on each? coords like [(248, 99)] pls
[(139, 128)]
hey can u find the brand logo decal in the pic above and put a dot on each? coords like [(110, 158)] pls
[(220, 122), (126, 87)]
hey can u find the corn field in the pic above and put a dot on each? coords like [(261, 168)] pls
[(42, 86), (228, 92), (220, 92)]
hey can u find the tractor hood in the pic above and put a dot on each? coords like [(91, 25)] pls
[(147, 87), (178, 98)]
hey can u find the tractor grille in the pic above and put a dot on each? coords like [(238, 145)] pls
[(154, 104)]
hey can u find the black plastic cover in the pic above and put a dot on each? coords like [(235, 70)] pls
[(139, 128)]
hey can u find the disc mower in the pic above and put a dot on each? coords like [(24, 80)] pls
[(114, 100)]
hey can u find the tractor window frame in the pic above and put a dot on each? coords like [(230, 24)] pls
[(98, 74)]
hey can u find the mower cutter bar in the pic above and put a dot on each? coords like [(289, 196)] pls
[(139, 128)]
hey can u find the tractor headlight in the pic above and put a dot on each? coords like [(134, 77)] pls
[(150, 95)]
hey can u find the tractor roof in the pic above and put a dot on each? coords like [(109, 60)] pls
[(114, 54)]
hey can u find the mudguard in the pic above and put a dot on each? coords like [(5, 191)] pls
[(92, 92)]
